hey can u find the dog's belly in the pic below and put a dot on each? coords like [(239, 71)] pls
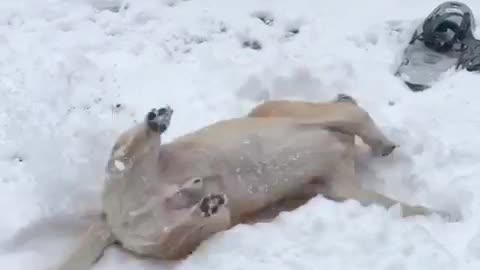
[(270, 168)]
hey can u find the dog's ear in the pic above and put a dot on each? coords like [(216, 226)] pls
[(183, 198), (205, 184), (213, 183), (193, 190), (187, 195)]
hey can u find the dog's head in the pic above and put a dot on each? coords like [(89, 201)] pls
[(164, 220)]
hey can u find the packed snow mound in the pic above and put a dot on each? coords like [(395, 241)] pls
[(75, 73)]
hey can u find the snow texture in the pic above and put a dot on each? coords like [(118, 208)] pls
[(75, 73)]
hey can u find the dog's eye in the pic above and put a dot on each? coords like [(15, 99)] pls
[(197, 180)]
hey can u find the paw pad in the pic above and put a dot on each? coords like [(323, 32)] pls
[(159, 119)]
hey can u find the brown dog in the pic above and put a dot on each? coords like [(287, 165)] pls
[(163, 200)]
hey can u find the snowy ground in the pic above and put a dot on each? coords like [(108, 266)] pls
[(65, 65)]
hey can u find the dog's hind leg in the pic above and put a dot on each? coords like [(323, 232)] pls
[(342, 186), (354, 120)]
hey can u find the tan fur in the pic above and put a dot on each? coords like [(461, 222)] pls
[(165, 199), (321, 111)]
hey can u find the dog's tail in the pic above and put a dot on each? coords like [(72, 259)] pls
[(91, 248)]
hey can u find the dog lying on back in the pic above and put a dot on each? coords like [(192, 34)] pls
[(163, 200)]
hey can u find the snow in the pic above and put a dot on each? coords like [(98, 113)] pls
[(75, 73)]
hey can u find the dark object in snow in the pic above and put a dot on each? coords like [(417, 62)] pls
[(293, 31), (265, 17), (117, 107), (345, 98), (444, 40), (17, 158), (255, 45)]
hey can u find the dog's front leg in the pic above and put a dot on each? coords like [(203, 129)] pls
[(139, 139)]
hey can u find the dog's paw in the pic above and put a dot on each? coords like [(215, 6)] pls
[(387, 149), (417, 210), (448, 216), (384, 148), (424, 211), (211, 204), (158, 120)]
